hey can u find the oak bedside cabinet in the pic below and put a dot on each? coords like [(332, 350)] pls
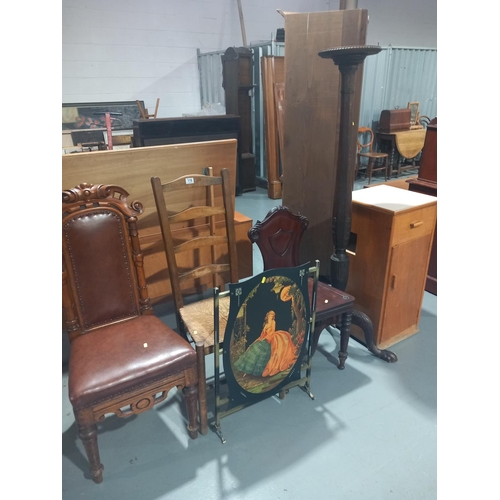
[(389, 251)]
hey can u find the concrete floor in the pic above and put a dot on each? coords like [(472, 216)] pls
[(370, 432)]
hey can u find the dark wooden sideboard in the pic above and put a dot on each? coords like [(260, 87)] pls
[(426, 183), (187, 129)]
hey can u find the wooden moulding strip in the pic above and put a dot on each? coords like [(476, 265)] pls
[(271, 128)]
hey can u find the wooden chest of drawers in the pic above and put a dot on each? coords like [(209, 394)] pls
[(391, 238)]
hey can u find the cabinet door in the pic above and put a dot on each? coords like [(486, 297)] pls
[(405, 290)]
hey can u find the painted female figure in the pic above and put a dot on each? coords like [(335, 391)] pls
[(271, 353)]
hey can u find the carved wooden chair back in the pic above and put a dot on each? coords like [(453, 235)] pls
[(376, 161), (123, 359), (278, 237), (365, 140), (423, 120), (195, 319)]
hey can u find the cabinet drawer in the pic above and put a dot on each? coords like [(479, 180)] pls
[(414, 224)]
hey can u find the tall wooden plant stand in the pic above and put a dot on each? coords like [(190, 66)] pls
[(348, 60)]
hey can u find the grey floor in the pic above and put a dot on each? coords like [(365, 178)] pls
[(370, 433)]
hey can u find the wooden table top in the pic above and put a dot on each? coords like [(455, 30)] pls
[(408, 142)]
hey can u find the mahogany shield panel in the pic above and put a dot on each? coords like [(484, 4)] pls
[(267, 333)]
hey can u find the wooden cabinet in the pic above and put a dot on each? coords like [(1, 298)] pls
[(389, 250), (426, 183)]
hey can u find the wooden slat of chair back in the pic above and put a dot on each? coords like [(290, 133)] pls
[(189, 181), (200, 242), (199, 272), (195, 212)]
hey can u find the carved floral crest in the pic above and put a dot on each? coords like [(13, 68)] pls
[(106, 194)]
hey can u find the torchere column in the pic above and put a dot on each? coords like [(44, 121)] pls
[(348, 60)]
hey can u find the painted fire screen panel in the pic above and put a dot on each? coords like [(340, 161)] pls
[(267, 333)]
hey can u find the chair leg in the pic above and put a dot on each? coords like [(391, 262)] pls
[(202, 387), (369, 170), (386, 171), (345, 326), (191, 396), (87, 432)]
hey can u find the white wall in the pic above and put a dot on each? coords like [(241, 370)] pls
[(401, 23), (122, 50)]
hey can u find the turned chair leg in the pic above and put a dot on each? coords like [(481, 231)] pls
[(191, 396), (370, 167), (202, 387), (87, 432), (345, 326)]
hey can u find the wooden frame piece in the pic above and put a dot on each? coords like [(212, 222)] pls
[(279, 101), (414, 113), (272, 74), (144, 111)]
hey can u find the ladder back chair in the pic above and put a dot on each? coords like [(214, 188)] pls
[(278, 238), (123, 359), (215, 262)]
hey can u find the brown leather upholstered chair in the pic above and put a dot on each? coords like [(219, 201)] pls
[(278, 237), (123, 359)]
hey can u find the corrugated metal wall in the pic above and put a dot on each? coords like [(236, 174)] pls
[(391, 79), (210, 68), (396, 76)]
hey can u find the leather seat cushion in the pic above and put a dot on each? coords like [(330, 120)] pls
[(112, 360)]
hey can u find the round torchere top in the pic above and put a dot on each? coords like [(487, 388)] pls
[(350, 55)]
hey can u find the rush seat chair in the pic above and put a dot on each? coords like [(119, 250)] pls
[(209, 255)]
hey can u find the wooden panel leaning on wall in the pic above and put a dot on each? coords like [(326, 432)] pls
[(273, 72), (133, 169), (311, 121)]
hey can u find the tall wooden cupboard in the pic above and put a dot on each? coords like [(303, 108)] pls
[(389, 250)]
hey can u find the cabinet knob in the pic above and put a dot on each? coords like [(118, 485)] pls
[(393, 281), (415, 224)]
